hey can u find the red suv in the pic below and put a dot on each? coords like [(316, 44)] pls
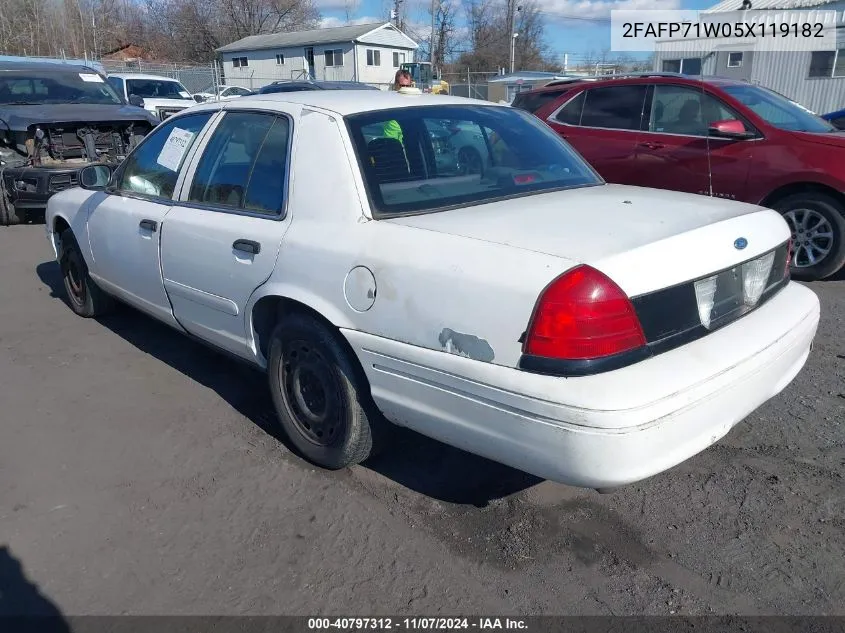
[(716, 137)]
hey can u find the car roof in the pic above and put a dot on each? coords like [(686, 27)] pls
[(45, 66), (141, 76), (637, 78), (348, 102)]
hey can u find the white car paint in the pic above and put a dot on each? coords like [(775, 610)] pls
[(458, 275), (226, 93), (156, 105)]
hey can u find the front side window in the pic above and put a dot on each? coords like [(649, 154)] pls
[(777, 110), (157, 89), (681, 110), (428, 158), (153, 168), (117, 84), (615, 107), (245, 163)]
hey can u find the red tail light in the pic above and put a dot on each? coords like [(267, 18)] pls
[(583, 315)]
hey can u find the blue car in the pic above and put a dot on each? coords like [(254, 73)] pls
[(837, 118)]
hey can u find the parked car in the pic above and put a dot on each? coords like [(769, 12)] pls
[(56, 118), (299, 86), (836, 118), (221, 93), (587, 333), (716, 137), (161, 96)]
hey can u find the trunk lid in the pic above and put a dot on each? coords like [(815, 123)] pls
[(644, 239)]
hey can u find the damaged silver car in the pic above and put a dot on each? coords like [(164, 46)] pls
[(56, 118)]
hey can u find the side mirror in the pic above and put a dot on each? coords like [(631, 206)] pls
[(95, 177), (729, 128), (135, 100), (198, 98)]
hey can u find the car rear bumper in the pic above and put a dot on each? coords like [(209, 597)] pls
[(584, 431)]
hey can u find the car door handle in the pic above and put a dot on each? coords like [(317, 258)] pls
[(651, 145), (247, 246), (149, 225)]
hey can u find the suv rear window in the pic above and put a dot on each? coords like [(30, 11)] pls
[(533, 101), (428, 158)]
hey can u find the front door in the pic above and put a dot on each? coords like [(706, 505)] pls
[(309, 59), (603, 125), (222, 240), (675, 150), (125, 223)]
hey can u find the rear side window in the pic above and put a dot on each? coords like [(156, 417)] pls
[(427, 158), (682, 110), (615, 107), (244, 165), (533, 101)]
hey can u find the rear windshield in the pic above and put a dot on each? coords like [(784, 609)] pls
[(533, 101), (430, 158)]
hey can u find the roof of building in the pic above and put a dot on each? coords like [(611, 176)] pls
[(347, 102), (736, 5), (349, 33)]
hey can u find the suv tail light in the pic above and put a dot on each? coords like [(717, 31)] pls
[(583, 315)]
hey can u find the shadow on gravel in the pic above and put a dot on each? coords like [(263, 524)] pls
[(22, 605), (417, 462)]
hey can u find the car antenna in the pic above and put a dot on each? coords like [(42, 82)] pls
[(704, 117)]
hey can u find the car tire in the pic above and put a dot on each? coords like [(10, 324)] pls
[(84, 296), (9, 216), (811, 215), (322, 399)]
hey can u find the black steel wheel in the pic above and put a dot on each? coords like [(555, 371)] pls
[(322, 399), (84, 296)]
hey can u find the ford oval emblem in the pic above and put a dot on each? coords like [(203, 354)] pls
[(740, 243)]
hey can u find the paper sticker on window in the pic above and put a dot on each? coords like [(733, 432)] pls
[(184, 94), (174, 149), (91, 78)]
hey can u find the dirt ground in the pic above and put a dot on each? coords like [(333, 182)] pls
[(139, 475)]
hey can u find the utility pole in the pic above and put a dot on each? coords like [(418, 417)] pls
[(396, 4), (431, 43)]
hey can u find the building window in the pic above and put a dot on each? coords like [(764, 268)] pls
[(398, 59), (240, 62), (373, 57), (334, 57), (734, 60), (280, 59), (687, 66), (827, 63)]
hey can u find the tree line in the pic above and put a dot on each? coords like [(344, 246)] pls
[(474, 35)]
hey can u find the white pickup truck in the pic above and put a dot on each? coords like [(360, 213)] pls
[(587, 333)]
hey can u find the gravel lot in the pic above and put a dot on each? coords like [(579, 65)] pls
[(139, 474)]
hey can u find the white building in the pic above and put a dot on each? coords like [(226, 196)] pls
[(369, 53), (815, 79)]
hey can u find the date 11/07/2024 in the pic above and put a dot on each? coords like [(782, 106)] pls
[(430, 624)]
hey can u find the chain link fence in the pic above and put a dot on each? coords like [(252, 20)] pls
[(200, 78)]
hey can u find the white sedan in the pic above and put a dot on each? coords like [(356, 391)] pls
[(587, 333)]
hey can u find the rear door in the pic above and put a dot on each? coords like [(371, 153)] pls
[(221, 240), (603, 124), (675, 150)]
